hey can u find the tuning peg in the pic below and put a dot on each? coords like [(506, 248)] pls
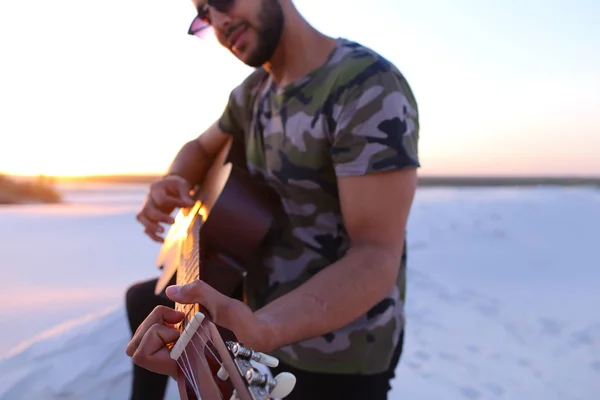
[(240, 351), (222, 374), (234, 395), (265, 359), (284, 384)]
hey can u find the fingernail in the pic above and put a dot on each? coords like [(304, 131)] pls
[(173, 290)]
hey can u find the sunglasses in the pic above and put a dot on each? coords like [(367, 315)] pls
[(202, 20)]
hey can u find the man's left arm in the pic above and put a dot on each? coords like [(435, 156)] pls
[(375, 157)]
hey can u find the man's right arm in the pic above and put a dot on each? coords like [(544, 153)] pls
[(195, 158)]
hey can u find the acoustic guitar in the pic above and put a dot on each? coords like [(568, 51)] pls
[(218, 240)]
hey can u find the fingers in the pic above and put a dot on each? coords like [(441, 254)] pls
[(151, 228), (165, 195), (223, 311), (184, 196), (150, 217), (153, 354), (197, 291), (216, 303), (154, 236), (180, 188), (163, 203), (160, 315), (173, 191), (157, 210)]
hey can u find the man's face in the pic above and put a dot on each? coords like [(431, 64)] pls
[(250, 29)]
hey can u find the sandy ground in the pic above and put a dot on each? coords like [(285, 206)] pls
[(501, 295)]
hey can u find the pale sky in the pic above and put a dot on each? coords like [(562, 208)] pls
[(113, 86)]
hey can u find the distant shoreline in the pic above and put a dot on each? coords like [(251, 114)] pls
[(38, 190), (459, 181), (424, 181)]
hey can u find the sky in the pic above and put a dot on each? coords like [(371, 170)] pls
[(117, 86)]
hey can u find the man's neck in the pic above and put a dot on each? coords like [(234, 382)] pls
[(301, 50)]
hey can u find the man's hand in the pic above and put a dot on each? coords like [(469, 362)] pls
[(164, 196), (225, 312), (147, 347)]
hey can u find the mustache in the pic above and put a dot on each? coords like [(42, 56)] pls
[(232, 29)]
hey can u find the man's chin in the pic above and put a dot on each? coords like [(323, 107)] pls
[(245, 57)]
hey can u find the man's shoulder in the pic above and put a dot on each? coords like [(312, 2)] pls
[(356, 65), (250, 86)]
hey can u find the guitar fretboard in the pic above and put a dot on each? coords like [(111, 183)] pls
[(189, 265)]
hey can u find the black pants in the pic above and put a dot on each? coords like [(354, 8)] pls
[(314, 386), (141, 300)]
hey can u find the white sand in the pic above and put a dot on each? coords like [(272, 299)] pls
[(503, 295)]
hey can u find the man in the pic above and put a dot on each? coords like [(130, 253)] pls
[(333, 128)]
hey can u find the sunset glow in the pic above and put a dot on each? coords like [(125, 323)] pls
[(500, 92)]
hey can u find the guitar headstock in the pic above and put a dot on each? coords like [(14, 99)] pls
[(213, 369), (260, 385)]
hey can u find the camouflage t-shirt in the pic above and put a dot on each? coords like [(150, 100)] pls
[(354, 115)]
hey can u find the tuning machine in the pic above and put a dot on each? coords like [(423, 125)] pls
[(278, 387), (240, 351)]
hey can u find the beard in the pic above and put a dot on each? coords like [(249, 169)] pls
[(269, 29)]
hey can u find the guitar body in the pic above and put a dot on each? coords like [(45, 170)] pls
[(218, 240), (230, 221)]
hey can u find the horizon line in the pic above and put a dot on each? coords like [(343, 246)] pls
[(421, 175)]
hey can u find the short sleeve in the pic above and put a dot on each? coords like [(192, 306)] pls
[(231, 121), (235, 119), (377, 125)]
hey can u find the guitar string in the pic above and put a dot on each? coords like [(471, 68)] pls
[(193, 381), (190, 273), (187, 373), (183, 368), (209, 337), (202, 359), (187, 367), (181, 362), (211, 342), (190, 376), (206, 342), (206, 345)]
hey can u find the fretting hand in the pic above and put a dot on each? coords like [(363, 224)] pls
[(148, 347), (224, 311), (163, 197)]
